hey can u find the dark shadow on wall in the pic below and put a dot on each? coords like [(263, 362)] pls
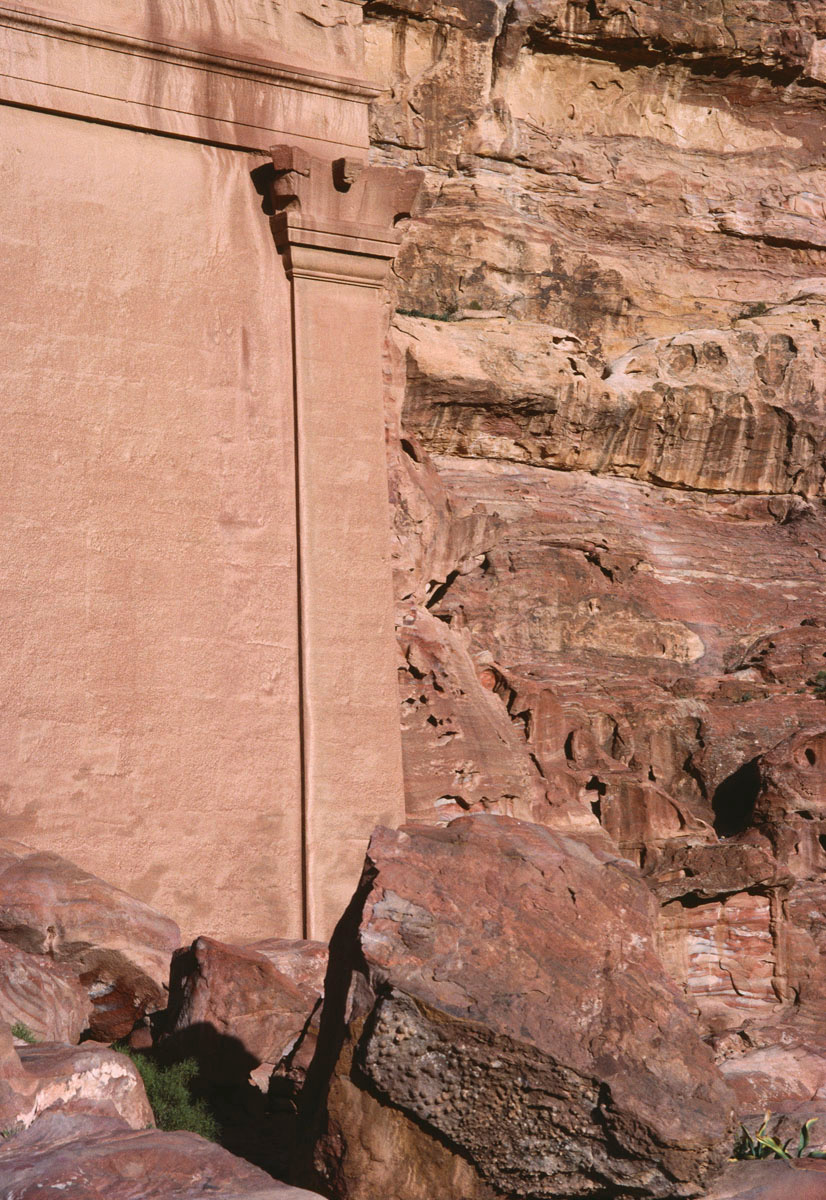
[(254, 1125), (734, 799)]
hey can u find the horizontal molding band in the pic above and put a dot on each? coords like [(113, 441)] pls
[(71, 70), (261, 71)]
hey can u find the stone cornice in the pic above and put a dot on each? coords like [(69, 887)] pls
[(169, 52), (339, 219), (166, 83)]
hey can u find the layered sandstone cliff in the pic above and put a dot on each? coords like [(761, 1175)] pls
[(606, 413)]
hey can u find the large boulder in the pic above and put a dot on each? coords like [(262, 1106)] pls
[(771, 1180), (504, 1026), (99, 1158), (239, 1008), (43, 995), (36, 1079), (119, 947)]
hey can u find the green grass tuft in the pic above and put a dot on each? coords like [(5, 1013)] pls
[(169, 1089), (762, 1144), (21, 1031)]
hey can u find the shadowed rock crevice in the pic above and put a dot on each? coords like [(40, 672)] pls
[(734, 800)]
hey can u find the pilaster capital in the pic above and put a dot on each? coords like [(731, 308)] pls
[(339, 219)]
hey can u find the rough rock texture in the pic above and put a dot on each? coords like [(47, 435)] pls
[(605, 401), (506, 999), (711, 409), (118, 947), (45, 996), (240, 1007), (99, 1158), (771, 1181), (87, 1078)]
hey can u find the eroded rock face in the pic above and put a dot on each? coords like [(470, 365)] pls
[(43, 995), (38, 1079), (118, 947), (509, 1000), (734, 409)]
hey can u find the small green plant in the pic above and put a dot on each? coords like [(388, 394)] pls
[(448, 315), (818, 683), (753, 310), (762, 1144), (5, 1134), (169, 1089), (23, 1033)]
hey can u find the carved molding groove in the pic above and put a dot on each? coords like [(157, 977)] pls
[(177, 55), (154, 79)]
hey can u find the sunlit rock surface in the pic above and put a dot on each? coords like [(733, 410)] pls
[(507, 1028), (605, 392)]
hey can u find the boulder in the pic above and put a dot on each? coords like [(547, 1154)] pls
[(118, 947), (771, 1180), (785, 1076), (240, 1007), (43, 995), (508, 1028), (100, 1158), (35, 1079)]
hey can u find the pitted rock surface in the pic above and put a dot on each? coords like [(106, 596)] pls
[(511, 1001)]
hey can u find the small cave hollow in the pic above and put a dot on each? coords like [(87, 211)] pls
[(811, 757), (734, 799), (597, 789)]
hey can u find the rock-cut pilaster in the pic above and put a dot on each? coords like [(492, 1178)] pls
[(337, 225)]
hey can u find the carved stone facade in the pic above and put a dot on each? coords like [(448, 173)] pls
[(198, 689)]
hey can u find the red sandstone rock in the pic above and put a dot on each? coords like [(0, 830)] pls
[(463, 752), (509, 1007), (118, 947), (771, 1181), (786, 1077), (44, 995), (790, 802), (100, 1158), (238, 1007), (87, 1078)]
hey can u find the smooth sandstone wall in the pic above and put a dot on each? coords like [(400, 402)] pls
[(149, 677), (319, 35)]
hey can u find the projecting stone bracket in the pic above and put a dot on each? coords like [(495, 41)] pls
[(340, 205)]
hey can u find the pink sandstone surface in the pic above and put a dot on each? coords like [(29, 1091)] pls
[(603, 385), (182, 514)]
